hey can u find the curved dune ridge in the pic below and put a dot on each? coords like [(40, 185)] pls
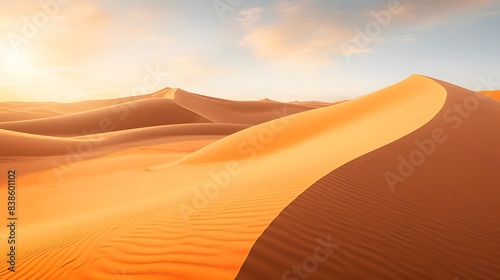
[(136, 114), (315, 104), (23, 144), (51, 109), (413, 101), (7, 115), (438, 222), (91, 121), (228, 111), (495, 94), (252, 204)]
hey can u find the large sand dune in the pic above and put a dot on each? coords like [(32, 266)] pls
[(230, 189), (436, 224)]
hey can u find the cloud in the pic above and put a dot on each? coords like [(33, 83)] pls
[(83, 32), (427, 14), (250, 16), (313, 32), (295, 33)]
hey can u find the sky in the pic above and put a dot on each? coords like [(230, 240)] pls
[(328, 50)]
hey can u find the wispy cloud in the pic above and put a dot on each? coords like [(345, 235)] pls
[(293, 32), (250, 16), (309, 32)]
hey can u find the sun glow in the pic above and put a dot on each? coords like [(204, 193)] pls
[(16, 61)]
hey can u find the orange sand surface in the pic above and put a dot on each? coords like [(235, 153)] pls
[(495, 94), (177, 185)]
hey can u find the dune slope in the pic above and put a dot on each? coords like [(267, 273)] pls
[(18, 144), (413, 101), (495, 94), (136, 114), (199, 217), (433, 219), (228, 111)]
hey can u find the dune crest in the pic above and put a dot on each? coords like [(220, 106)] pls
[(435, 223), (215, 194), (495, 94), (136, 114), (228, 111), (413, 102)]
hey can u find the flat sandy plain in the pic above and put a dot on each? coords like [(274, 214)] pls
[(402, 183)]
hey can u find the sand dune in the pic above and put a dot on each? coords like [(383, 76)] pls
[(315, 104), (228, 111), (267, 100), (136, 114), (495, 94), (24, 144), (246, 192), (11, 116), (70, 108), (169, 106), (19, 111), (24, 106), (345, 123), (437, 224)]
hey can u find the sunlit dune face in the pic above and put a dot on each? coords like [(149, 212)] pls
[(16, 61)]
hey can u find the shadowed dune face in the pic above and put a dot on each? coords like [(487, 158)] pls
[(22, 144), (103, 124), (137, 114), (413, 101), (183, 200), (7, 115), (435, 218), (228, 111), (162, 220)]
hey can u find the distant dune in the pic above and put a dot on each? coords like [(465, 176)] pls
[(401, 183), (136, 114), (315, 104), (228, 111), (9, 115)]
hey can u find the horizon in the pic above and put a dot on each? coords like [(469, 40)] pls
[(69, 51), (484, 86), (232, 139)]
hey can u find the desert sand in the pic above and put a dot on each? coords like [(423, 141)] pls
[(177, 185), (495, 94)]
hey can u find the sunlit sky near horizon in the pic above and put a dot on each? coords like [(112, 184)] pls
[(242, 50)]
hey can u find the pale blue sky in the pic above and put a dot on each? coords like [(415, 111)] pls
[(283, 50)]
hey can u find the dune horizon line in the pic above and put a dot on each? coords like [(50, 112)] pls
[(400, 182)]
